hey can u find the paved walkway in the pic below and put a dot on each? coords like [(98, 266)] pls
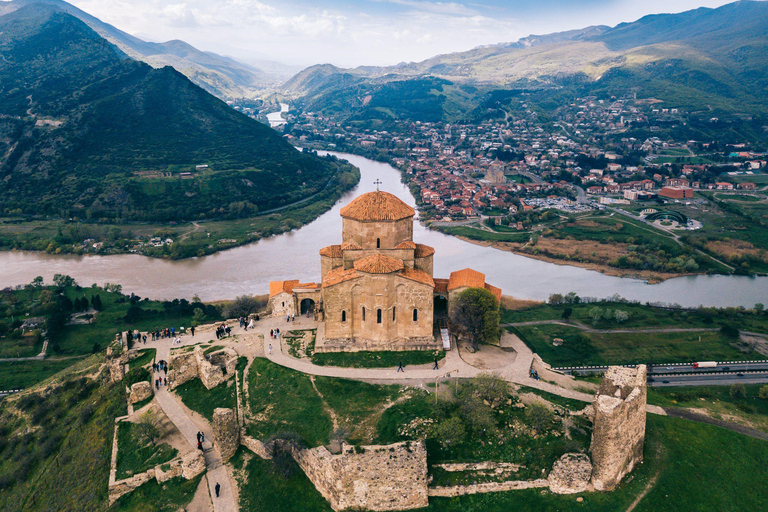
[(217, 471)]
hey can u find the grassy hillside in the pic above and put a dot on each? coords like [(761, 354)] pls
[(86, 132)]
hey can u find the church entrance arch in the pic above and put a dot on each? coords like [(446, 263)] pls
[(306, 305), (441, 306)]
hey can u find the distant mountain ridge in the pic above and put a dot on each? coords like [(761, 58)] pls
[(704, 58), (86, 132), (219, 75)]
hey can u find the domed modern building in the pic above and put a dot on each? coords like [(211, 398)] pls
[(377, 291)]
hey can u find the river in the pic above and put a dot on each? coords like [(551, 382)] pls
[(276, 118), (250, 268)]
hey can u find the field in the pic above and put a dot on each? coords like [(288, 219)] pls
[(587, 348), (136, 453), (195, 396), (376, 359)]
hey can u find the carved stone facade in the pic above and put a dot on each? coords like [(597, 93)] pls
[(226, 432), (619, 425), (212, 369), (391, 477)]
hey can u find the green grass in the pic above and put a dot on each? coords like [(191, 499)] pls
[(261, 488), (147, 357), (201, 400), (135, 454), (212, 348), (357, 404), (376, 359), (479, 234), (284, 400), (170, 496), (25, 374), (740, 197), (19, 348), (586, 348)]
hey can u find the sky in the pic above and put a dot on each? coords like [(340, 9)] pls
[(350, 33)]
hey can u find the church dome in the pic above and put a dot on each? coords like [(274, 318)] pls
[(378, 264), (377, 206)]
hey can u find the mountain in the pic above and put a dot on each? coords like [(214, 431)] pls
[(87, 132), (222, 76), (705, 59)]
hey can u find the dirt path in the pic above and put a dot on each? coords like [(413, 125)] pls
[(328, 409), (197, 227)]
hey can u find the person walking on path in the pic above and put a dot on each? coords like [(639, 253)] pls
[(199, 436), (200, 445), (436, 365), (192, 330), (270, 349), (217, 489), (400, 367)]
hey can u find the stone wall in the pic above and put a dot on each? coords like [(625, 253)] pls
[(512, 485), (140, 391), (570, 474), (283, 304), (226, 432), (619, 425), (393, 294), (391, 477), (365, 233), (212, 369)]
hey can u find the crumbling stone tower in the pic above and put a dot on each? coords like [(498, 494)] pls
[(619, 428), (226, 432)]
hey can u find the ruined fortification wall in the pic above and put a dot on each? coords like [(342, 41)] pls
[(619, 428), (391, 477), (212, 369), (226, 432)]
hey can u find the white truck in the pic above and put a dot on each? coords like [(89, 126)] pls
[(705, 364)]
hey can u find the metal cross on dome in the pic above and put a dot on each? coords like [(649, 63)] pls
[(377, 183)]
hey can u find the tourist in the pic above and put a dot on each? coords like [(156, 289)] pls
[(436, 365), (400, 367), (198, 436), (272, 333), (165, 381), (270, 349), (250, 324), (200, 446), (202, 436), (217, 488), (192, 330)]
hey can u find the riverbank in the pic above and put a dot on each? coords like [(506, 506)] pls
[(648, 276), (171, 241)]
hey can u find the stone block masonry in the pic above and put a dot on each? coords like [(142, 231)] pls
[(619, 426), (140, 391), (388, 477), (226, 432), (212, 369)]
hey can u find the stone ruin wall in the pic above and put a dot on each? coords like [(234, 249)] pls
[(391, 477), (619, 425), (283, 304), (186, 366), (226, 432)]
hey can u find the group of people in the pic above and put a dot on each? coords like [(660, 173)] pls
[(246, 323), (168, 332), (289, 318), (534, 374), (160, 366), (200, 439), (274, 333), (223, 331)]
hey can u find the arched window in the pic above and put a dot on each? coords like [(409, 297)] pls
[(393, 313), (415, 315), (378, 316), (283, 304), (378, 243), (363, 313), (343, 316)]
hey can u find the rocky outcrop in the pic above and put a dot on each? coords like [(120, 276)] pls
[(212, 369), (226, 432), (140, 391), (512, 485), (619, 425), (570, 474)]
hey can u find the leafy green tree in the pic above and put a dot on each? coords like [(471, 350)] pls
[(763, 393), (198, 317), (737, 391), (63, 281), (450, 431), (37, 282), (567, 312), (477, 312), (759, 308), (243, 305)]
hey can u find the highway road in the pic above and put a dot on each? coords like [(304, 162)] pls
[(708, 379)]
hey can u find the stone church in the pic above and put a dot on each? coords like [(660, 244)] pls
[(377, 290)]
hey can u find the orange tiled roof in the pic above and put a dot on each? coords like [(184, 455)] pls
[(306, 285), (332, 251), (495, 291), (377, 206), (339, 275), (422, 251), (466, 277), (406, 245), (378, 264), (441, 285), (276, 287), (418, 275), (350, 246)]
